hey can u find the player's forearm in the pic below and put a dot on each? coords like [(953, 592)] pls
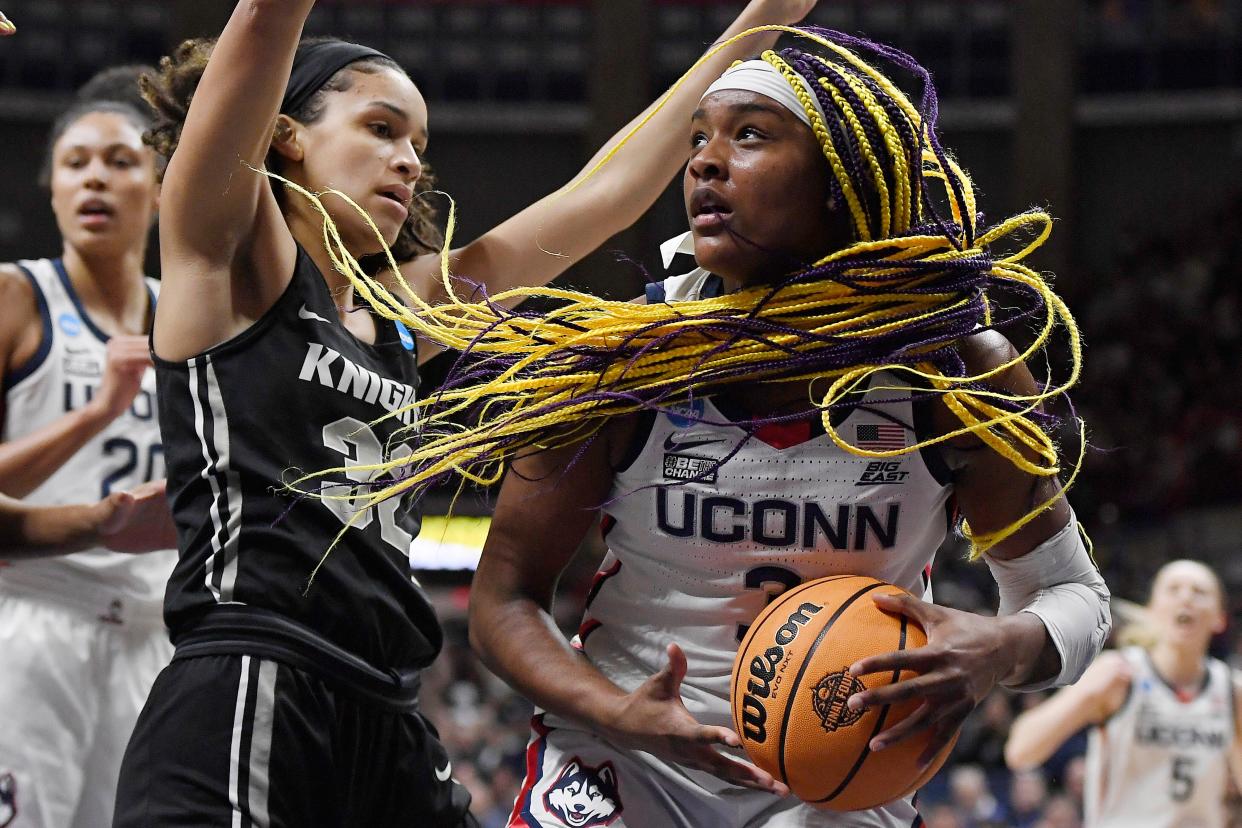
[(1036, 734), (229, 125), (518, 640), (42, 531), (1034, 656), (27, 462)]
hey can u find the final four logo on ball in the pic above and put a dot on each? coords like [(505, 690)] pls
[(829, 697)]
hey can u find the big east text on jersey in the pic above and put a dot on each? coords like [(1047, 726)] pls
[(331, 370)]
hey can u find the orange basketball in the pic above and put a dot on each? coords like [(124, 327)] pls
[(790, 686)]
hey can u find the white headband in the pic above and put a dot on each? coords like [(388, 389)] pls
[(763, 78)]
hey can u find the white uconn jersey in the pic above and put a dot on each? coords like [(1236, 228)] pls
[(62, 376), (1161, 761), (696, 551)]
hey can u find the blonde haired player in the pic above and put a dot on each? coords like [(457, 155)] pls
[(1164, 718)]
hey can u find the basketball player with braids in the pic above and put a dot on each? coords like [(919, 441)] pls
[(292, 697), (805, 403), (1163, 717), (82, 634)]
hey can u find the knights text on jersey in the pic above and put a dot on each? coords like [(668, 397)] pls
[(296, 393), (1162, 759), (62, 376)]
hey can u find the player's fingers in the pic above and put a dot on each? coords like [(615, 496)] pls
[(945, 730), (916, 721), (919, 659), (667, 682), (912, 688), (906, 605), (708, 735), (742, 773), (6, 26), (152, 488), (940, 717), (118, 507)]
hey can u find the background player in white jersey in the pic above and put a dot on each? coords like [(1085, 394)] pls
[(1163, 717), (82, 634), (709, 505)]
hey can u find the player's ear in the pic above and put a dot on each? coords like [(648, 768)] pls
[(285, 138)]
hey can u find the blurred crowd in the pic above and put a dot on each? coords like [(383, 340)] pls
[(1162, 388)]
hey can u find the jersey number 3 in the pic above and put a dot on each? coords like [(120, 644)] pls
[(361, 449), (773, 580)]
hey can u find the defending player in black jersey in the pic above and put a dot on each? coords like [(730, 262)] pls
[(291, 703)]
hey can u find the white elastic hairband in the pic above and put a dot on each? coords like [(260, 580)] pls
[(763, 78)]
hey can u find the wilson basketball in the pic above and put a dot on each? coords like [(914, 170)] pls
[(790, 687)]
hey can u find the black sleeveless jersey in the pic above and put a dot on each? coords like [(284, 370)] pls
[(295, 393)]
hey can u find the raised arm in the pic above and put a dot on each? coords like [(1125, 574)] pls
[(541, 516), (213, 209), (1040, 731), (547, 238)]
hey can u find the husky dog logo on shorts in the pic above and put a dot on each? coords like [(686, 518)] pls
[(8, 799), (583, 796)]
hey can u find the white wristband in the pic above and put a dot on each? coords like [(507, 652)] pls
[(1058, 582)]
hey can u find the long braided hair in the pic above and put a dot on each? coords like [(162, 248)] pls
[(920, 275)]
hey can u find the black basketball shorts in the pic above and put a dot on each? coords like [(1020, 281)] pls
[(236, 740)]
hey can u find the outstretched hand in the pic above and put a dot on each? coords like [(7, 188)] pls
[(966, 655), (654, 719), (138, 520), (6, 26)]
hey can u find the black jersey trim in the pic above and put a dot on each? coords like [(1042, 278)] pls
[(45, 343), (236, 629)]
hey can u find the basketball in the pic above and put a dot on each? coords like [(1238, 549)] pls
[(789, 692)]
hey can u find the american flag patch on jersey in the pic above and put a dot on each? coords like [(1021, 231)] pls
[(880, 437)]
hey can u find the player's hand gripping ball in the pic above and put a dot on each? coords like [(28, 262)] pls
[(6, 26), (791, 683)]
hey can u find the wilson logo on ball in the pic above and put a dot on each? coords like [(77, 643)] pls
[(763, 671), (829, 697)]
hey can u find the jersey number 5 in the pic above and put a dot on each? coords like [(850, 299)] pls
[(361, 449), (1183, 783)]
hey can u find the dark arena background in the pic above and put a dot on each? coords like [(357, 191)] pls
[(1122, 117)]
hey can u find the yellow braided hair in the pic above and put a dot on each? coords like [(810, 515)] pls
[(555, 378)]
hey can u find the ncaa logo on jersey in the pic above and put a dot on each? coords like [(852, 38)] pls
[(403, 333), (583, 796), (8, 799), (685, 415), (69, 323)]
